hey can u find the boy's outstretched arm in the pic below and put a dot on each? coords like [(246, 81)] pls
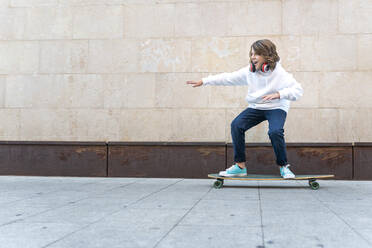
[(227, 79), (195, 84)]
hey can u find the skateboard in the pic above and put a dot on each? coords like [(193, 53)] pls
[(312, 179)]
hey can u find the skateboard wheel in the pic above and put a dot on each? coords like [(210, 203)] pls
[(218, 184), (311, 181), (314, 185)]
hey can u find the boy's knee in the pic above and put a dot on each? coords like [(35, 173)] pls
[(235, 124), (276, 133)]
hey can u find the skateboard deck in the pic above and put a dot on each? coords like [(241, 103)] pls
[(312, 179)]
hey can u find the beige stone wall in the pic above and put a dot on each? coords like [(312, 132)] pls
[(116, 69)]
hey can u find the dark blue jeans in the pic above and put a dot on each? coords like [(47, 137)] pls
[(250, 118)]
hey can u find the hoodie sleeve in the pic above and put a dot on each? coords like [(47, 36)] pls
[(234, 78), (292, 90)]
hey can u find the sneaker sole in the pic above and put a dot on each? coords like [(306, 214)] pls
[(289, 177), (232, 175)]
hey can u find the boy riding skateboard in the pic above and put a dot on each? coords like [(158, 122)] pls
[(270, 90)]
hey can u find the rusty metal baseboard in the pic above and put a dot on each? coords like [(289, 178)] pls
[(348, 161)]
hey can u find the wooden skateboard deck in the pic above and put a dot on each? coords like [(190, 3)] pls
[(312, 179)]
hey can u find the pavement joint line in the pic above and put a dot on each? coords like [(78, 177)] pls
[(339, 217), (94, 222), (11, 222), (121, 186), (51, 209), (153, 193), (177, 224), (262, 228), (225, 225), (38, 195)]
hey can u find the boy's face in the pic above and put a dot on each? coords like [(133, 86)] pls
[(256, 59)]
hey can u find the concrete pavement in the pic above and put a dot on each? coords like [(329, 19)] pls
[(61, 212)]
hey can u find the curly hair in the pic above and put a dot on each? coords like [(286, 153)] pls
[(267, 50)]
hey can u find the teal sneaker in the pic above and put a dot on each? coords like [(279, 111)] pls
[(285, 172), (234, 171)]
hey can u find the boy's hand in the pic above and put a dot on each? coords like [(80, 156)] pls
[(271, 96), (195, 84)]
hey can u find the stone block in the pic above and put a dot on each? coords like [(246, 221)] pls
[(98, 22), (149, 21), (312, 125), (95, 124), (146, 125), (191, 125), (355, 16), (19, 57), (32, 3), (310, 17), (345, 90), (113, 56), (10, 124), (187, 21), (350, 123), (55, 91), (4, 3), (140, 90), (53, 22), (165, 55), (63, 56), (12, 21), (312, 84), (213, 20), (171, 91), (46, 124), (19, 91), (97, 2), (2, 90), (315, 51), (246, 18), (84, 91), (364, 48), (115, 91), (355, 124), (226, 96), (218, 54)]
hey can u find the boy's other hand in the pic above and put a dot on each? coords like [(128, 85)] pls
[(195, 84), (271, 96)]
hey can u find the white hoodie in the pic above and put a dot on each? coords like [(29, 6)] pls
[(261, 84)]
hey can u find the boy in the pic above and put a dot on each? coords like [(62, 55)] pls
[(270, 90)]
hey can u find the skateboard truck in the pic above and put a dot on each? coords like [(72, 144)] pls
[(218, 183), (313, 184)]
